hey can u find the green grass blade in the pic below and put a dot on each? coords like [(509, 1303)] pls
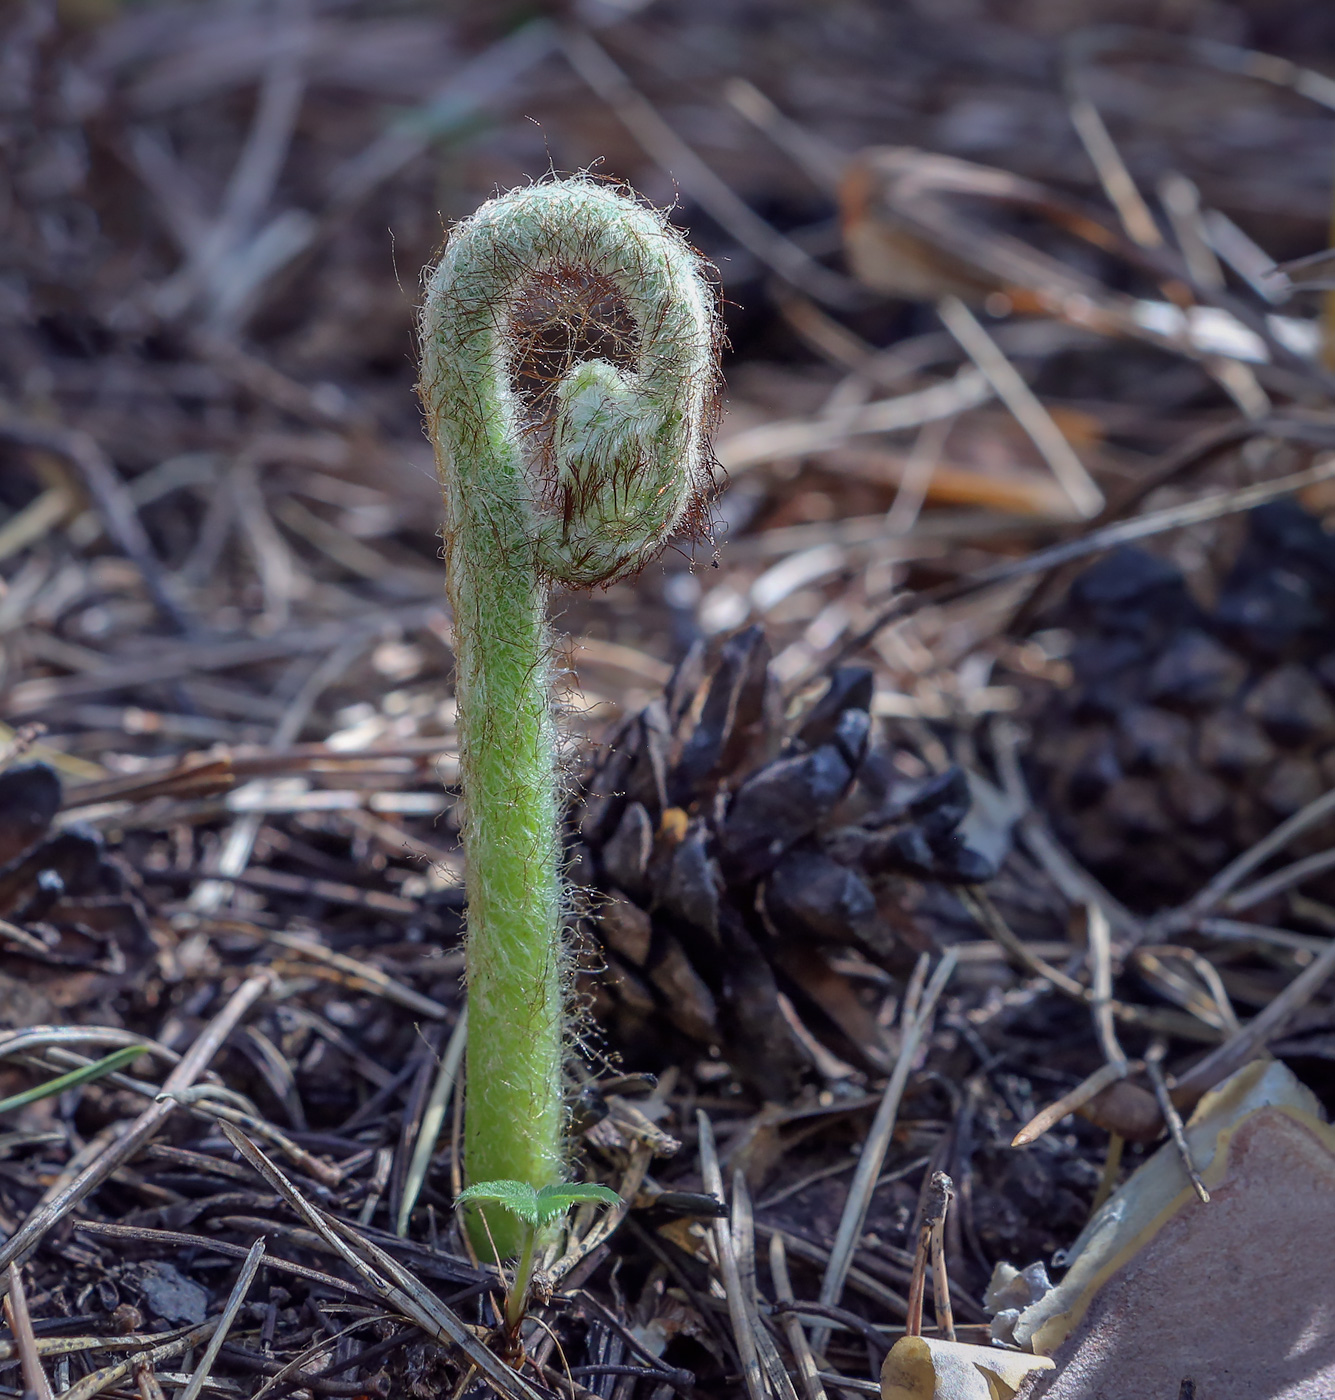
[(433, 1119), (83, 1075)]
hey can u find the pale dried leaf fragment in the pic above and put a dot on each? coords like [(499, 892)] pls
[(1157, 1192), (930, 1368), (1234, 1296)]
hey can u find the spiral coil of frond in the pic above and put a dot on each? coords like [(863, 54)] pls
[(621, 452)]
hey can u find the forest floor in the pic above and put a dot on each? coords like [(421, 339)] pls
[(1020, 530)]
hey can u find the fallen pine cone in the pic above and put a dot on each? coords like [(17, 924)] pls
[(1188, 733), (736, 856)]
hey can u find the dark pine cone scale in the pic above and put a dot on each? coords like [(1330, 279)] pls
[(1189, 732), (736, 856)]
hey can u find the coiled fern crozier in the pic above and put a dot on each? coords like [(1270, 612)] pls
[(555, 469)]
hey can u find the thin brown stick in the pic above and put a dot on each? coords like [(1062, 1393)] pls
[(108, 1376), (167, 663), (800, 437), (931, 1250), (976, 900), (1219, 1013), (1214, 506), (178, 1239), (1095, 1083), (807, 1372), (915, 1027), (385, 1276), (658, 140), (1112, 172), (743, 1226), (1154, 1068), (742, 1331), (20, 1324), (871, 1288), (374, 979), (1024, 405), (294, 1368), (1238, 930), (228, 1316), (945, 1315), (1099, 934), (147, 1384), (1279, 881), (109, 494), (1075, 883), (1241, 1047), (918, 1284), (1181, 201), (821, 161), (67, 1346)]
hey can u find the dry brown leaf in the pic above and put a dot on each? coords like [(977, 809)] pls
[(929, 1368), (1234, 1295)]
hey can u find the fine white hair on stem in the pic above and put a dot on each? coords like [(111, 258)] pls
[(569, 373), (610, 453)]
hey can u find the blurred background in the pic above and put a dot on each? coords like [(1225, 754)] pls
[(216, 215)]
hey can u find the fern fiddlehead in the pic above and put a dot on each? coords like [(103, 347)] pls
[(574, 478)]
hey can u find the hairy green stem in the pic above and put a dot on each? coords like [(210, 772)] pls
[(575, 481), (517, 1297)]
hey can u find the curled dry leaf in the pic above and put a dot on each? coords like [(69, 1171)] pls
[(1233, 1295), (928, 1368)]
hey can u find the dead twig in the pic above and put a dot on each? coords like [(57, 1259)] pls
[(1246, 1043), (1025, 406), (744, 1245), (1093, 1084), (98, 1381), (914, 1027), (1214, 893), (1214, 506), (111, 499), (977, 901), (176, 1239), (799, 437), (225, 1319), (433, 1118), (1100, 970), (1280, 881), (390, 1282), (1154, 1068), (638, 115), (807, 1371), (931, 1248), (743, 1331), (20, 1324)]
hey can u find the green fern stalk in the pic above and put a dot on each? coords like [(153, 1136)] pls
[(579, 486)]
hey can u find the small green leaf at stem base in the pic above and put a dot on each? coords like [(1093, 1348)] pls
[(537, 1208), (533, 1209), (553, 1201), (518, 1197)]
